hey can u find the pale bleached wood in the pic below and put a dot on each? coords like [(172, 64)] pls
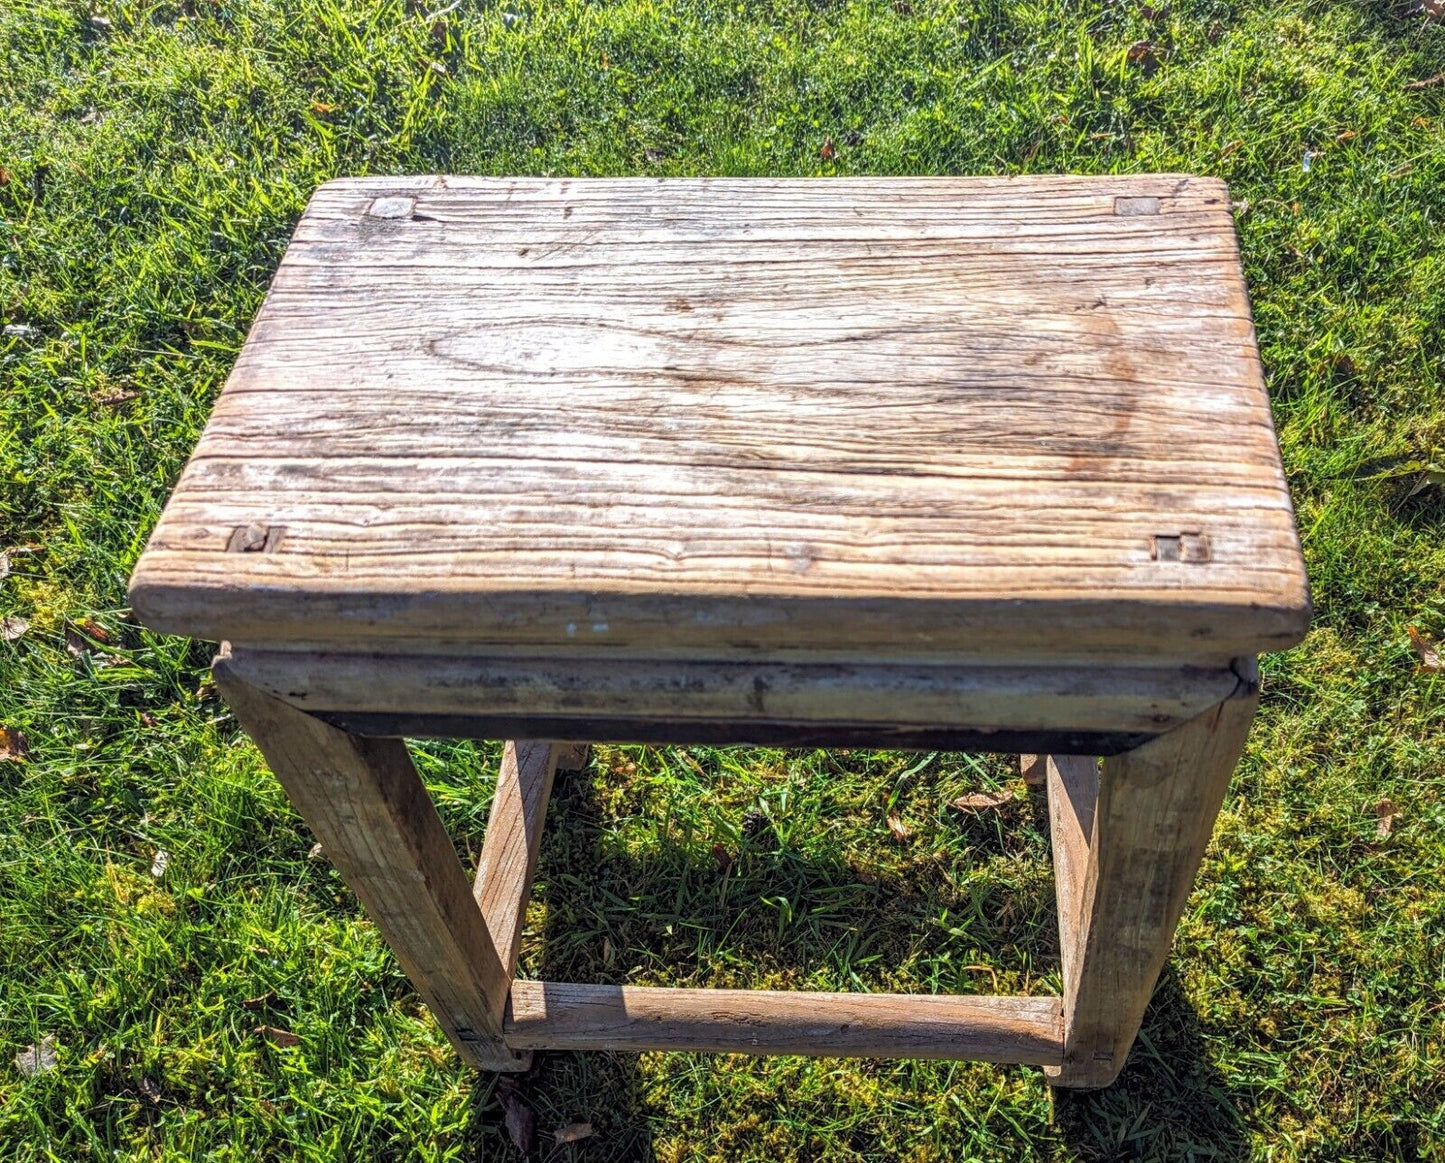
[(552, 1015), (1072, 782), (503, 883), (1139, 700), (366, 804), (1151, 823), (942, 416)]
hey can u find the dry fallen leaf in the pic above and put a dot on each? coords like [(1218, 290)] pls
[(260, 1001), (1233, 147), (4, 565), (573, 1133), (322, 107), (317, 851), (1421, 474), (982, 801), (37, 1059), (1386, 813), (900, 831), (14, 627), (521, 1123), (1428, 652), (150, 1090), (160, 863), (1142, 53), (1347, 135), (722, 857), (83, 634), (283, 1039), (13, 744), (829, 150), (116, 397)]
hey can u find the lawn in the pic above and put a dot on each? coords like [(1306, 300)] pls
[(153, 159)]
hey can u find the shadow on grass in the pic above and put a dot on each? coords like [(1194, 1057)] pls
[(609, 913), (1396, 19), (1169, 1103)]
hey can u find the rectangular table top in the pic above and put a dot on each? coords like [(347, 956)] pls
[(1013, 417)]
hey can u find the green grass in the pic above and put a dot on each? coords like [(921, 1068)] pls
[(153, 167)]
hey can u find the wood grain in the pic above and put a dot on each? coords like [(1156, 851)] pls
[(913, 417), (503, 883), (1073, 793), (1149, 827), (366, 804), (1129, 700), (553, 1015)]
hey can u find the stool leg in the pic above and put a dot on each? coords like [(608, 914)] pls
[(1124, 863), (366, 804), (503, 884)]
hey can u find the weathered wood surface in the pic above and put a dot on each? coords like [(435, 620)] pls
[(503, 883), (553, 1015), (1010, 418), (1072, 783), (366, 804), (1121, 895), (1139, 700)]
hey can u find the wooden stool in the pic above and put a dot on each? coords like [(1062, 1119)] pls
[(973, 464)]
